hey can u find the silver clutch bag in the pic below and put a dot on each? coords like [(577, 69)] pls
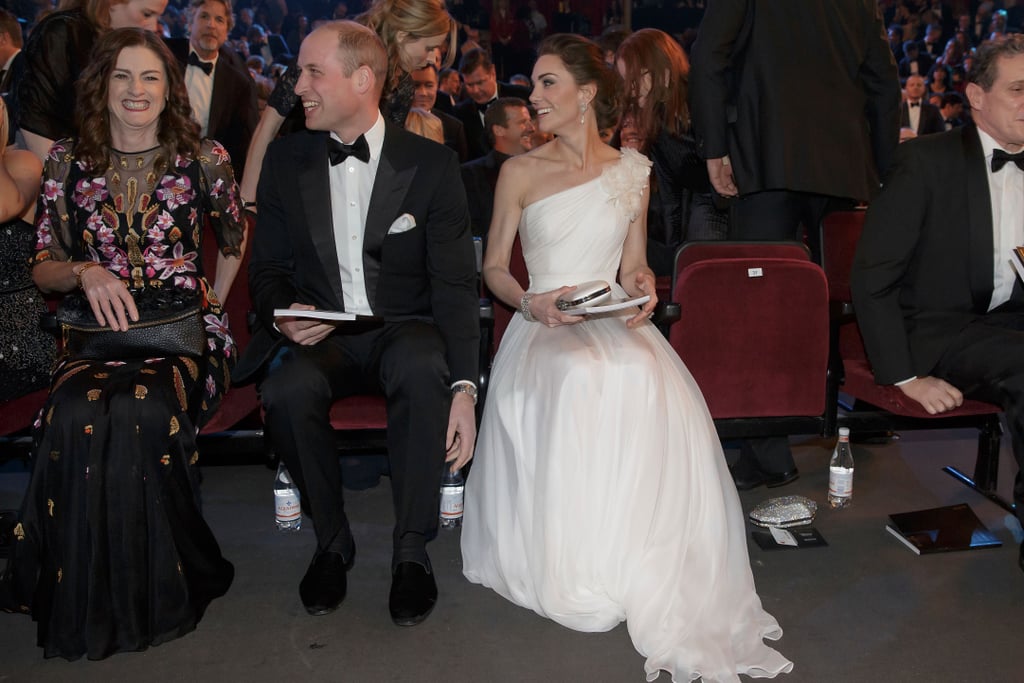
[(784, 512)]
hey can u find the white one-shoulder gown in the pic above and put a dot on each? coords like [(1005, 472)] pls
[(599, 492)]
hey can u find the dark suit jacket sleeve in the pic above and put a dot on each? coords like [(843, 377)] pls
[(886, 249), (711, 63), (451, 264), (272, 263), (878, 75)]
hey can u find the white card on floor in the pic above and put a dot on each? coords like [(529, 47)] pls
[(782, 537)]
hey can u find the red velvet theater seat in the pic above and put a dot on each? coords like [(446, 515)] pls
[(753, 331)]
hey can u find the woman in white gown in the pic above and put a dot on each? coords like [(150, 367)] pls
[(600, 492)]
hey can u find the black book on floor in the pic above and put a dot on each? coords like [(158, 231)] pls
[(943, 529)]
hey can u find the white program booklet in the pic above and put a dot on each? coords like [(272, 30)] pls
[(320, 314), (609, 306)]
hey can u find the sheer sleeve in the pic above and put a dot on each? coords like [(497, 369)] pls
[(283, 98), (221, 198), (53, 229), (55, 54)]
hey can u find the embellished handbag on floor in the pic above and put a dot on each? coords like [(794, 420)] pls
[(170, 324)]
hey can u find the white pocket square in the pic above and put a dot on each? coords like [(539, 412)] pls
[(403, 223)]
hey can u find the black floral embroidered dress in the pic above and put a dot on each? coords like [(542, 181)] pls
[(112, 553)]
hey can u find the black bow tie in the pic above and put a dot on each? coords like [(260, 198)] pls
[(483, 107), (915, 104), (337, 152), (193, 60), (1000, 157)]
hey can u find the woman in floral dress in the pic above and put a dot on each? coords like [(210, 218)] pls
[(112, 553)]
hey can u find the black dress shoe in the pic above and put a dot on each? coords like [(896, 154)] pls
[(325, 583), (413, 594), (782, 478)]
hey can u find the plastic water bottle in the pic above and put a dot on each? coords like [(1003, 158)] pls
[(287, 510), (453, 488), (840, 472)]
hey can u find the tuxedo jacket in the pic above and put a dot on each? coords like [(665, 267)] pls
[(454, 133), (469, 114), (480, 177), (425, 273), (234, 111), (930, 122), (816, 111), (923, 268)]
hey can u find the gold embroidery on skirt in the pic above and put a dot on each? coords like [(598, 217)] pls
[(71, 372), (49, 415), (193, 369), (101, 375), (140, 391), (165, 459), (174, 426), (88, 429), (93, 394), (19, 532), (148, 371), (54, 456), (194, 459), (179, 389), (49, 506)]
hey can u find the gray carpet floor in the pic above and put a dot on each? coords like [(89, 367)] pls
[(865, 608)]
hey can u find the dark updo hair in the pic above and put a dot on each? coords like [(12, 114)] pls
[(584, 61)]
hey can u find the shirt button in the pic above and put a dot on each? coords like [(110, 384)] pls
[(358, 271), (351, 203), (354, 238), (351, 170)]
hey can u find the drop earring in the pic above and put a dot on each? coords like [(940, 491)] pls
[(583, 113)]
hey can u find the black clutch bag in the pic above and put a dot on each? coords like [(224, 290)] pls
[(170, 324)]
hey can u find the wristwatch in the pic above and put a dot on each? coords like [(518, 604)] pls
[(465, 388)]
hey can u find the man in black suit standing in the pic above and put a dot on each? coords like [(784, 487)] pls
[(916, 113), (425, 97), (482, 88), (359, 215), (789, 125), (222, 94), (510, 132), (939, 305)]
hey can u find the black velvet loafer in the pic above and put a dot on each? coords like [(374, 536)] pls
[(325, 584), (413, 593), (782, 478)]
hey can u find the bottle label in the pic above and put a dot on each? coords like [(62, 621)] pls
[(840, 482), (451, 501), (286, 506)]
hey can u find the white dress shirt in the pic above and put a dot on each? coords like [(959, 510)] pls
[(200, 92), (1006, 189), (351, 187)]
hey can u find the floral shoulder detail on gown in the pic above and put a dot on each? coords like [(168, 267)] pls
[(626, 182)]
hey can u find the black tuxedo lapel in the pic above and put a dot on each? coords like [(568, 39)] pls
[(220, 98), (979, 217), (390, 187), (315, 184)]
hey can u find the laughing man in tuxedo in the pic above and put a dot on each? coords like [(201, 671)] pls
[(938, 303), (482, 88), (359, 215)]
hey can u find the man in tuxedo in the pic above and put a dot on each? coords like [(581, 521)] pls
[(425, 97), (222, 94), (952, 110), (482, 88), (789, 126), (913, 61), (12, 66), (449, 83), (916, 113), (510, 131), (361, 216), (938, 302)]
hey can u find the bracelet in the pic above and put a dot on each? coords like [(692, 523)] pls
[(524, 308), (81, 269), (249, 206)]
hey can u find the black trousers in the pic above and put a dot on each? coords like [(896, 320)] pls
[(986, 363), (406, 362)]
